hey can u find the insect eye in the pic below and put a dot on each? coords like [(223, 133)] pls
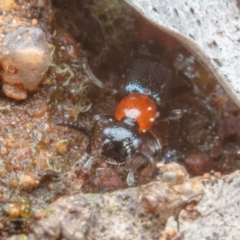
[(137, 143), (106, 132)]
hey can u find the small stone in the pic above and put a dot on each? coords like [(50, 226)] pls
[(150, 202), (198, 163), (163, 237), (34, 21), (190, 208), (13, 91), (171, 233), (1, 226), (28, 180), (61, 146), (9, 142), (169, 177), (3, 171), (38, 216), (50, 187), (13, 211), (206, 175), (4, 151), (14, 184), (5, 234), (7, 4), (40, 3), (25, 60), (218, 174), (171, 228)]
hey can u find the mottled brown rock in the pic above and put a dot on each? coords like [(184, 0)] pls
[(14, 91), (7, 5), (107, 216), (120, 216), (172, 189), (24, 56), (67, 218)]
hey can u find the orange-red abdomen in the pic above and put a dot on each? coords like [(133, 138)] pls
[(139, 107)]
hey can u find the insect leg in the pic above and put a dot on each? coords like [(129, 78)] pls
[(152, 143), (88, 165)]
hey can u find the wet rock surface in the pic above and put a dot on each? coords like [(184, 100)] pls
[(24, 56)]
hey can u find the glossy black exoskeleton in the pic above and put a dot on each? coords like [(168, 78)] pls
[(125, 135)]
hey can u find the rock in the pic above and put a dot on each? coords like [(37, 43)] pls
[(116, 215), (218, 212), (172, 189), (209, 31), (119, 215), (24, 58), (68, 218), (7, 5), (14, 91)]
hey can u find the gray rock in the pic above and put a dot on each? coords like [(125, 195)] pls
[(218, 211), (209, 29), (107, 216), (119, 215)]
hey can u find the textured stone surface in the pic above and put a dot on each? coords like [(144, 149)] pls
[(107, 216), (218, 211), (119, 215), (67, 218), (210, 30), (172, 189), (7, 4), (101, 216), (24, 56)]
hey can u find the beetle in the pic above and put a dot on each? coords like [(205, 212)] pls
[(126, 134)]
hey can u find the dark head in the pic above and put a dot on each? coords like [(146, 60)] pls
[(121, 140)]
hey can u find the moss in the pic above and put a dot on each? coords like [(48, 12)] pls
[(23, 237), (116, 21)]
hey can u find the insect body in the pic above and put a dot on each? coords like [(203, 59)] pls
[(126, 134)]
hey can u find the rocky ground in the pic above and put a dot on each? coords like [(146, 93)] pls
[(46, 76)]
